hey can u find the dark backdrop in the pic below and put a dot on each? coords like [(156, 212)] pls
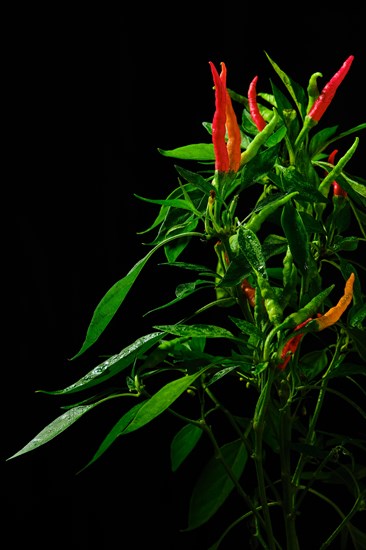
[(89, 100)]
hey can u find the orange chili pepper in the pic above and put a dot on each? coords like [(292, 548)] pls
[(334, 313), (248, 291), (234, 136)]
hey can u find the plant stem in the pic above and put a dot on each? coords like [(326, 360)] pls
[(230, 473), (289, 491), (313, 422), (258, 427)]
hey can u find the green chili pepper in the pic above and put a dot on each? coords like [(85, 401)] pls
[(271, 303), (289, 276), (313, 92), (256, 220), (307, 311), (333, 174), (259, 140)]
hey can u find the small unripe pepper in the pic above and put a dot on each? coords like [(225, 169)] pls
[(337, 189)]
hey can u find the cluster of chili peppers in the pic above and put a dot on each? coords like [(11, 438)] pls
[(227, 154)]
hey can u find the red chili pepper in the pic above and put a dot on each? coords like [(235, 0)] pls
[(248, 291), (253, 105), (227, 155), (324, 99), (291, 346), (337, 189), (219, 119)]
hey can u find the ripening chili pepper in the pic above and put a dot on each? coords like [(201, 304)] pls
[(291, 346), (253, 105), (334, 313), (233, 145), (227, 155), (307, 311), (248, 291), (219, 119), (324, 99), (337, 189)]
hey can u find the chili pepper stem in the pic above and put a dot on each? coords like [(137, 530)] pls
[(309, 440), (258, 427)]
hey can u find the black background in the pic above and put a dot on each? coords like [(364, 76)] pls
[(90, 97)]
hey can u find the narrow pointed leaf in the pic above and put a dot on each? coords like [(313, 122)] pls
[(160, 401), (113, 365), (112, 300), (208, 331), (197, 151), (59, 425), (214, 484), (183, 444)]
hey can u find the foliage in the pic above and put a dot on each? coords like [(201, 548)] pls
[(275, 276)]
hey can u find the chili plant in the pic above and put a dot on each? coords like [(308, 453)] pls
[(277, 311)]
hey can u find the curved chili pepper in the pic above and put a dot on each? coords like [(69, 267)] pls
[(334, 313), (324, 99), (219, 119), (253, 105), (291, 346), (337, 189), (233, 145)]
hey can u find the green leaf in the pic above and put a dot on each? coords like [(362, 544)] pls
[(115, 433), (113, 365), (214, 485), (176, 203), (297, 236), (56, 427), (196, 151), (313, 363), (208, 331), (359, 341), (246, 327), (347, 369), (297, 93), (196, 179), (112, 300), (251, 249), (160, 401), (183, 444)]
